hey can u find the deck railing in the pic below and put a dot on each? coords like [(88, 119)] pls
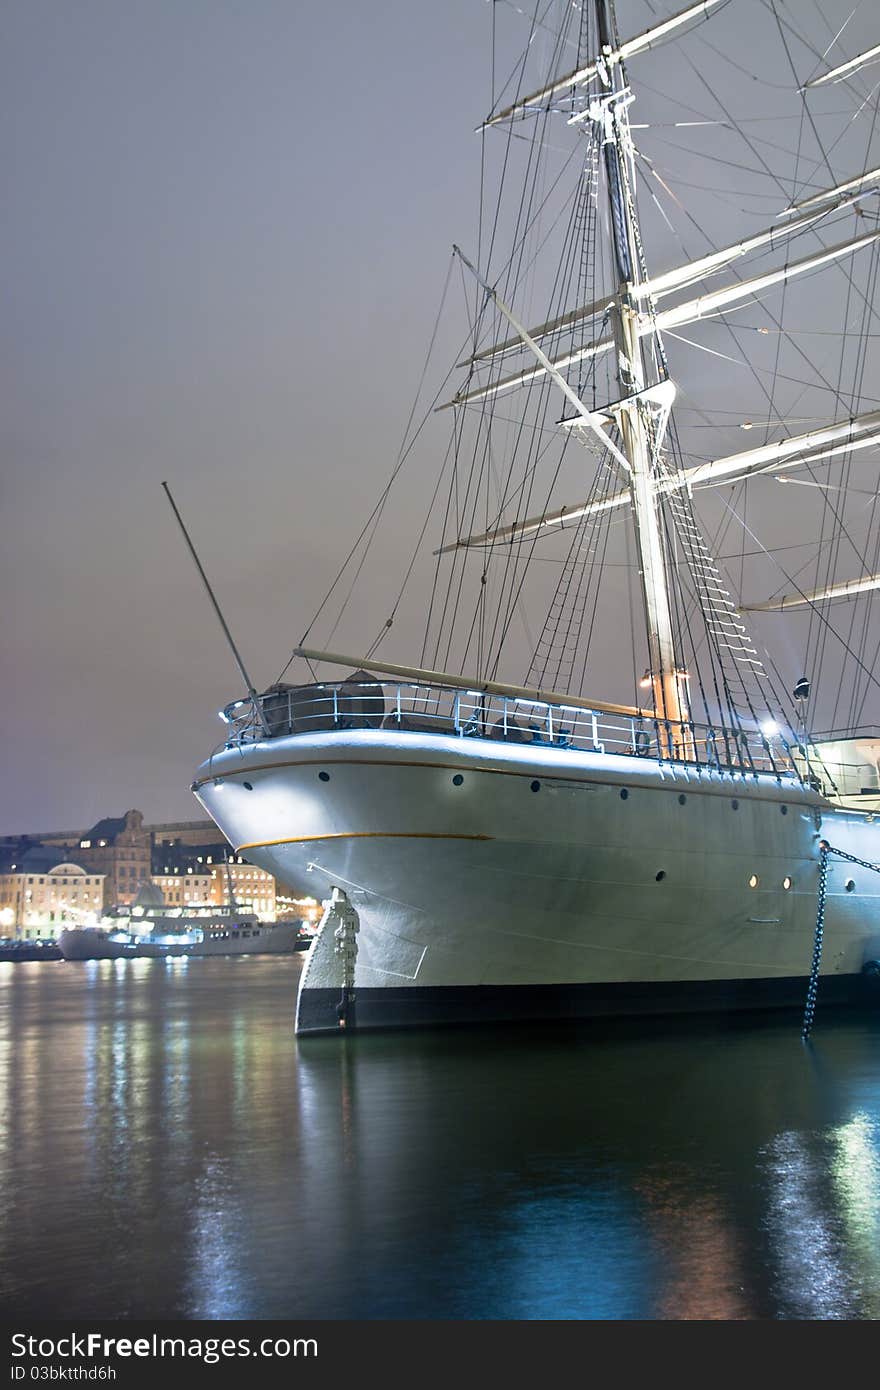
[(845, 762), (845, 779), (415, 708)]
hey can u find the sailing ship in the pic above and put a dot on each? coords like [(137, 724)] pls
[(492, 849)]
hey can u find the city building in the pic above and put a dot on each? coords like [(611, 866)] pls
[(184, 832), (184, 873), (247, 885), (181, 859), (40, 893), (119, 848)]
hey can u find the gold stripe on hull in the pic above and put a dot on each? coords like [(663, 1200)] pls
[(360, 835)]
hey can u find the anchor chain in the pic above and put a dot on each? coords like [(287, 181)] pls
[(824, 850), (842, 854), (812, 987)]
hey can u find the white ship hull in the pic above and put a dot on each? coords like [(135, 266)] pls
[(546, 882), (91, 943)]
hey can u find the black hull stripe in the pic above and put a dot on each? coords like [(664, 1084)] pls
[(322, 1010)]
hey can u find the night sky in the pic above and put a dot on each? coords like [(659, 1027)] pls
[(226, 227)]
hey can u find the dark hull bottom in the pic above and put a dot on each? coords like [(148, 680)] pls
[(326, 1011)]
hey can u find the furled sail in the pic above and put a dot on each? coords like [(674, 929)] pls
[(659, 285), (691, 311), (871, 55), (850, 588), (612, 58), (856, 433), (861, 181)]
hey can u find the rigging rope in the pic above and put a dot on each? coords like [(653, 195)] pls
[(469, 492)]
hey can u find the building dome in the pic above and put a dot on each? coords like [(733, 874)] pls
[(149, 895)]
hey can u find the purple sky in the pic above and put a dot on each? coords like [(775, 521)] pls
[(219, 221), (226, 229)]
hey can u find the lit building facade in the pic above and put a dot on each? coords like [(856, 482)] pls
[(119, 848), (178, 858), (39, 895), (184, 890), (183, 875), (189, 874), (251, 887)]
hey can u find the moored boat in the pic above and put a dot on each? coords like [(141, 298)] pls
[(28, 949), (212, 937)]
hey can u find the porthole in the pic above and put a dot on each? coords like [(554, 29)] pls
[(324, 776), (623, 793), (536, 786), (754, 881), (783, 810), (850, 885), (659, 877), (735, 804), (681, 798), (786, 883), (457, 780), (248, 786)]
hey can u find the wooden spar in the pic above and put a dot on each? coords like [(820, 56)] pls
[(845, 69), (700, 269), (639, 44), (871, 177), (479, 687), (857, 433), (585, 416), (849, 588), (695, 309), (691, 311)]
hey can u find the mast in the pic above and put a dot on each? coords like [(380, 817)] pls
[(639, 434), (233, 905)]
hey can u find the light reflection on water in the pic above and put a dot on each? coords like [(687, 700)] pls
[(168, 1150)]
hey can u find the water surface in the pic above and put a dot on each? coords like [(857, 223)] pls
[(167, 1149)]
